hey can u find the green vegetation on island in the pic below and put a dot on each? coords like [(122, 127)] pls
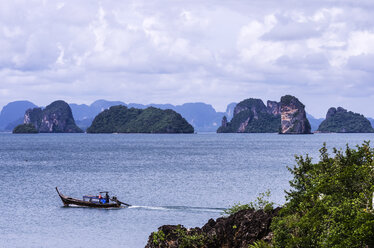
[(262, 202), (120, 119), (25, 128), (342, 121)]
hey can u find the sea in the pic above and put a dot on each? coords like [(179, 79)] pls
[(167, 178)]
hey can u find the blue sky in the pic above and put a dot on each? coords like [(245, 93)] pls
[(186, 51)]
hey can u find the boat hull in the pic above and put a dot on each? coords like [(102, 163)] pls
[(67, 201)]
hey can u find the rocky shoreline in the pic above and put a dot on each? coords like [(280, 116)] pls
[(240, 229)]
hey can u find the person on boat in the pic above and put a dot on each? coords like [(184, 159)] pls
[(106, 197)]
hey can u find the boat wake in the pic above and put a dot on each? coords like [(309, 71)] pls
[(179, 208)]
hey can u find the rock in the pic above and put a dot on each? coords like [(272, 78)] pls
[(55, 118), (273, 108), (342, 121), (34, 116), (224, 122), (252, 116), (331, 112), (238, 230), (293, 116)]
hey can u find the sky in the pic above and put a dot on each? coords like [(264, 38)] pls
[(215, 52)]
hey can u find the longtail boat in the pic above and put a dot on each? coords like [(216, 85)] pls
[(92, 201)]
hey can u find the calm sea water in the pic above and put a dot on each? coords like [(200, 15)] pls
[(170, 179)]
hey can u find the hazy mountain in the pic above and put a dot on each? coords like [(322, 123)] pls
[(12, 114), (203, 117), (314, 122), (83, 111)]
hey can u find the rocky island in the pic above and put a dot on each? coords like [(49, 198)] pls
[(339, 120), (252, 116), (55, 118), (293, 116), (120, 119)]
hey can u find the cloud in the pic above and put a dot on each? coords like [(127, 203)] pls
[(176, 51), (363, 62)]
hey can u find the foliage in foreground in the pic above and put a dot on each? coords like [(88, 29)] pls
[(261, 202), (183, 238), (330, 201)]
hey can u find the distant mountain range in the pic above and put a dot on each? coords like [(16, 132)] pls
[(203, 117)]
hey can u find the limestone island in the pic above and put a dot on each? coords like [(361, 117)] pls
[(252, 116), (293, 116), (339, 120), (55, 118), (120, 119)]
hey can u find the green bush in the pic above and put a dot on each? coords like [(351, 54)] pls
[(329, 204), (260, 244), (190, 240), (261, 202), (158, 237)]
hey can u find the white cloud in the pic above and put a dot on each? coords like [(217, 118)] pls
[(176, 51)]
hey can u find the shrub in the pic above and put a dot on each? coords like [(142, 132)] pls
[(329, 204), (261, 202), (158, 237), (260, 244)]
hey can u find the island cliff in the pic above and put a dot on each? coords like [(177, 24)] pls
[(252, 116), (342, 121), (55, 118), (120, 119), (293, 116)]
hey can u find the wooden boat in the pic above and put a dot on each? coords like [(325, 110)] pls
[(92, 201)]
